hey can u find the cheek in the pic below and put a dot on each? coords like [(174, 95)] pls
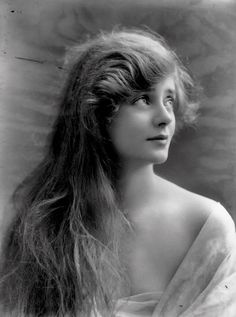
[(173, 125), (123, 134), (126, 132)]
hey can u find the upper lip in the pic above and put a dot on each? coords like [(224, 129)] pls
[(159, 137)]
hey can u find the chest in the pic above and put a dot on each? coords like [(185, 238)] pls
[(153, 252)]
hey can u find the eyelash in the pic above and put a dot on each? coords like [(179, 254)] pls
[(172, 99), (141, 98), (146, 100)]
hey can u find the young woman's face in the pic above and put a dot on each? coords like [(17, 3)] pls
[(143, 127)]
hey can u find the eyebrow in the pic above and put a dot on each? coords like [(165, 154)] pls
[(171, 91)]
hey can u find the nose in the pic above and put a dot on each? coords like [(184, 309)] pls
[(162, 116)]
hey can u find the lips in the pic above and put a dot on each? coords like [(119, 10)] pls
[(158, 137)]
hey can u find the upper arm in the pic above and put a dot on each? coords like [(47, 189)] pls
[(197, 211), (223, 219)]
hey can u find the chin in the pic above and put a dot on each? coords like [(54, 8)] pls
[(160, 159)]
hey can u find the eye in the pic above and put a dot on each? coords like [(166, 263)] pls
[(142, 100), (169, 101)]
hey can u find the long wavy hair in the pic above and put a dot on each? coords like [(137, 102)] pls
[(61, 251)]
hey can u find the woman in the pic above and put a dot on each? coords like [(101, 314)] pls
[(96, 231)]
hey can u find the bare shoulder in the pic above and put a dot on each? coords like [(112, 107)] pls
[(194, 209), (167, 228)]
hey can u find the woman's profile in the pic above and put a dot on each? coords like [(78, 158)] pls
[(96, 231)]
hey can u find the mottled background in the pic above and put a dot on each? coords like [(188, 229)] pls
[(34, 36)]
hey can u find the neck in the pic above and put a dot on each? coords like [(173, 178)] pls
[(136, 184)]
